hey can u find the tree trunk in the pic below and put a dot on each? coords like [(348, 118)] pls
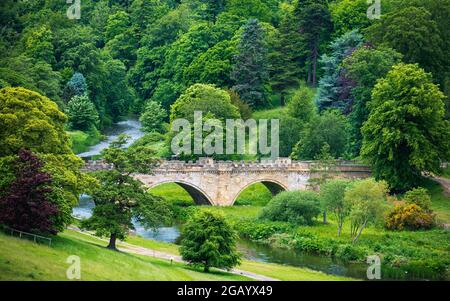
[(112, 242), (324, 216), (282, 102), (314, 63), (360, 230), (309, 73), (339, 229)]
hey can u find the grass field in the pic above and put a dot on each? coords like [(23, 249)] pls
[(25, 260)]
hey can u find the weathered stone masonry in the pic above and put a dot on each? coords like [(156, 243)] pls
[(220, 182)]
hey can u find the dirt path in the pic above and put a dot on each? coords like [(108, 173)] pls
[(130, 248)]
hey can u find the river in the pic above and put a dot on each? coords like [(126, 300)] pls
[(130, 127)]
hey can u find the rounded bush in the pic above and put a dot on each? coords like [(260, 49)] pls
[(410, 217), (298, 207)]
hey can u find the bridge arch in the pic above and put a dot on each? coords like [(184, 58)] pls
[(274, 187), (199, 196)]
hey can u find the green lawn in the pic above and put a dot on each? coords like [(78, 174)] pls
[(24, 260), (439, 202)]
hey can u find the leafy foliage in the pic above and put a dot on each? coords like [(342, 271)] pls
[(298, 207), (363, 67), (331, 93), (367, 200), (330, 128), (153, 117), (332, 197), (405, 134), (28, 204), (209, 241), (409, 217), (81, 113)]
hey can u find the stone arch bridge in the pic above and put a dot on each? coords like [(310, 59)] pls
[(219, 183)]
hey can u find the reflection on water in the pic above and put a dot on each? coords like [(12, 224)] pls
[(250, 250), (264, 253), (129, 127)]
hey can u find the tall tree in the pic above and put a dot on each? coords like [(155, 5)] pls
[(31, 121), (316, 26), (414, 32), (362, 68), (120, 199), (406, 134), (331, 94), (287, 59), (250, 70)]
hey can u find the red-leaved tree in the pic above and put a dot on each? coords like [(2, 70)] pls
[(26, 206)]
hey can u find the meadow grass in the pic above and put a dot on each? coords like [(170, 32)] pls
[(25, 260)]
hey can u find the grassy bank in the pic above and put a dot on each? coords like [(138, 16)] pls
[(25, 260), (81, 141)]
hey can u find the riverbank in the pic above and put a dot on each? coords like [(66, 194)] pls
[(82, 141)]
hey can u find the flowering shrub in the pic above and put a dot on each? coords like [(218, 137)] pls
[(409, 217)]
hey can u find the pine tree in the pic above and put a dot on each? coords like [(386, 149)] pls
[(315, 25), (331, 92), (287, 60), (250, 71)]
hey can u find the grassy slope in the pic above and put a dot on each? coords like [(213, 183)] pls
[(439, 202), (25, 260)]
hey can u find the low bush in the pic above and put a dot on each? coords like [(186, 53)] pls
[(258, 230), (297, 207)]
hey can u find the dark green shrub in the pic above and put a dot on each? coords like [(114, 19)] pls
[(259, 230), (298, 207)]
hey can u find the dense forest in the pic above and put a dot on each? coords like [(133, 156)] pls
[(356, 87)]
